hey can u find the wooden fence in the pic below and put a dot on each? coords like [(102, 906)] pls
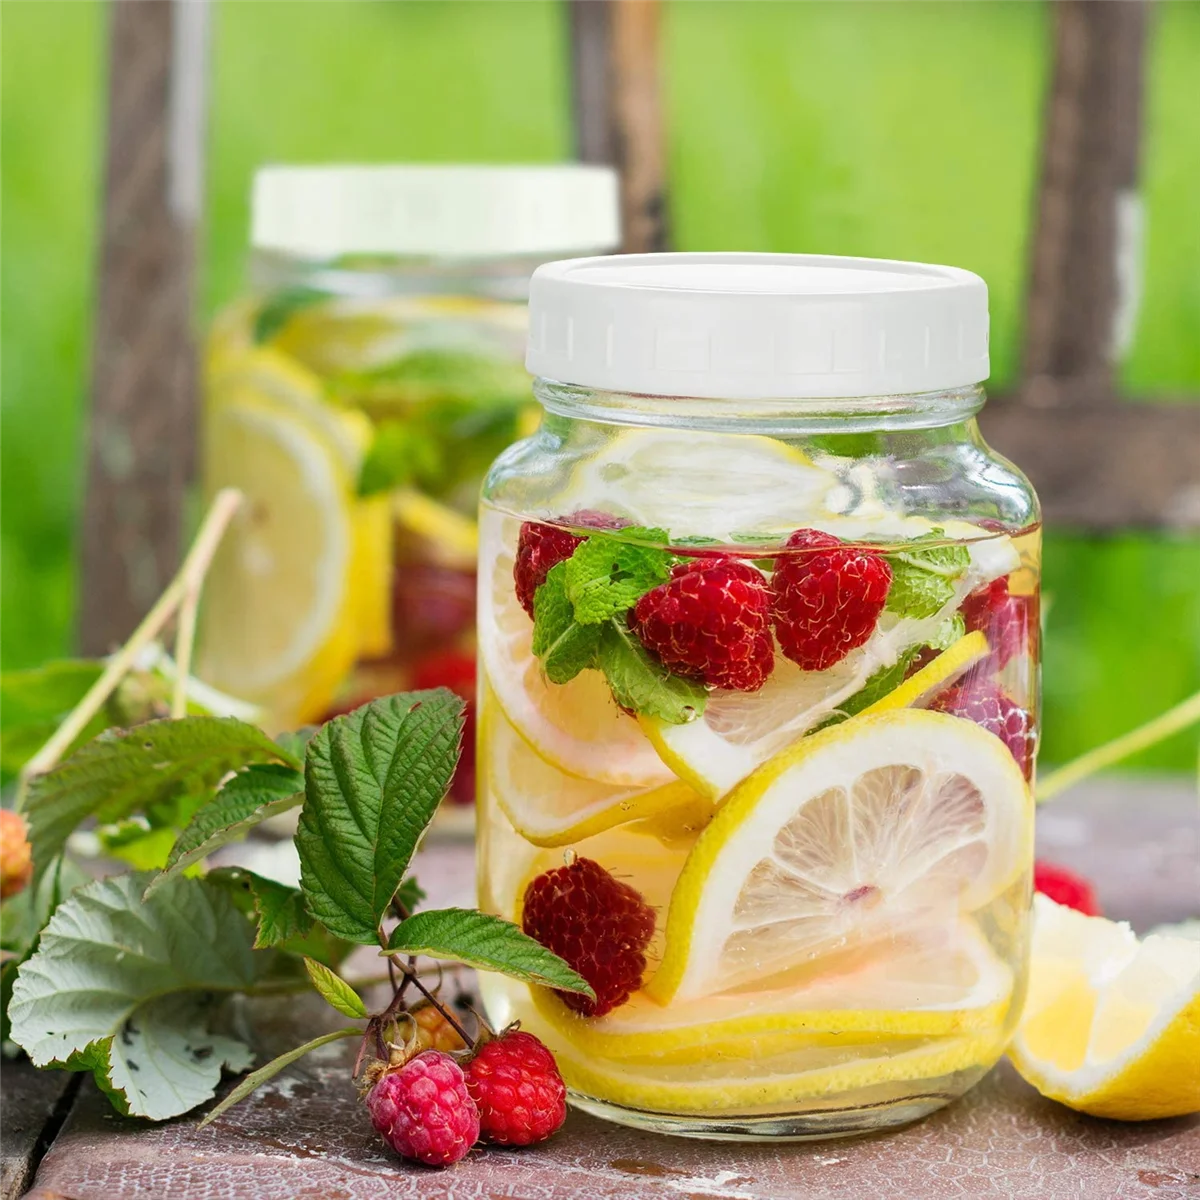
[(1100, 461)]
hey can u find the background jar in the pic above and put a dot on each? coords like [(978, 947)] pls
[(707, 409), (357, 394)]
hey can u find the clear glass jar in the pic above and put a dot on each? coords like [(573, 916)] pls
[(357, 395), (759, 699)]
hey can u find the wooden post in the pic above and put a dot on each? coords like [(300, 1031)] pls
[(618, 108), (142, 430)]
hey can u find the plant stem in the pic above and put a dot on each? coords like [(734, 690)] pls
[(451, 1020), (1163, 726), (188, 578)]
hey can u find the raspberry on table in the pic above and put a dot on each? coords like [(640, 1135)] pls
[(434, 1032), (710, 621), (516, 1086), (1010, 622), (424, 1111), (980, 699), (827, 598), (1065, 887), (541, 547), (597, 924)]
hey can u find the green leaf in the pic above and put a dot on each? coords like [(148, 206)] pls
[(123, 771), (564, 646), (334, 990), (400, 454), (134, 842), (278, 310), (256, 1079), (922, 577), (119, 986), (373, 780), (489, 943), (35, 702), (248, 799), (642, 684), (608, 574), (948, 632), (409, 894), (885, 680), (280, 910)]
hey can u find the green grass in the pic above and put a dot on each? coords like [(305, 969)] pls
[(895, 129)]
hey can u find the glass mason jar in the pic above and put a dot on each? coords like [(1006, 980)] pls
[(758, 621), (356, 396)]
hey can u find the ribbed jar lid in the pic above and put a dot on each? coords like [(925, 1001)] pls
[(757, 326), (323, 212)]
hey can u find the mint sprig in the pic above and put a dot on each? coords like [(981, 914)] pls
[(564, 645), (607, 575), (641, 684), (923, 576)]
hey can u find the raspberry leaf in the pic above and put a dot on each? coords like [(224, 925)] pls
[(373, 780), (486, 942), (409, 894), (642, 684), (120, 986), (608, 574), (154, 765), (248, 799), (334, 990), (256, 1079), (279, 909), (923, 576), (564, 646)]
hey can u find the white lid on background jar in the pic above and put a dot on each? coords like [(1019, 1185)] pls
[(435, 211), (757, 326)]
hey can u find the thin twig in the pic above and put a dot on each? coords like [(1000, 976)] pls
[(194, 566), (185, 639), (1172, 721)]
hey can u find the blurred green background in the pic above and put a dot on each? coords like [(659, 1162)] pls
[(902, 129)]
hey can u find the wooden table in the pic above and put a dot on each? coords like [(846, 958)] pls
[(305, 1136)]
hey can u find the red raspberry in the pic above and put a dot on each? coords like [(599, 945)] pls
[(598, 924), (710, 621), (827, 599), (456, 671), (981, 700), (1009, 622), (540, 547), (1065, 887), (516, 1086), (424, 1110)]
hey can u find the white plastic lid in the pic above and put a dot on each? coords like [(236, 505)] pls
[(438, 211), (757, 326)]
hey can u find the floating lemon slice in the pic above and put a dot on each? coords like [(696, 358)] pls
[(938, 982), (575, 726), (551, 808), (861, 832), (1111, 1025)]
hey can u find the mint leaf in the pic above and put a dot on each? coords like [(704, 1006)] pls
[(642, 684), (885, 680), (923, 577), (487, 942), (123, 771), (278, 310), (373, 780), (607, 574), (256, 1079), (249, 798), (279, 909), (564, 646), (334, 990), (119, 987), (948, 632)]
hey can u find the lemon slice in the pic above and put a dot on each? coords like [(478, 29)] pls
[(283, 601), (575, 726), (658, 479), (451, 538), (939, 982), (953, 661), (1111, 1025), (551, 808), (863, 831)]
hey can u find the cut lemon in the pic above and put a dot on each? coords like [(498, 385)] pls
[(575, 726), (864, 831), (1111, 1026), (551, 808), (282, 603), (940, 982), (932, 677), (451, 538)]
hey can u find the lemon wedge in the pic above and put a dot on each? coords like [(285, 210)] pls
[(940, 982), (576, 726), (861, 832), (548, 807), (1111, 1025)]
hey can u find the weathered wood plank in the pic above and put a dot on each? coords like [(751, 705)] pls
[(618, 108), (141, 438), (31, 1101)]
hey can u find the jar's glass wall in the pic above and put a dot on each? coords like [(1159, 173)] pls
[(759, 712)]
